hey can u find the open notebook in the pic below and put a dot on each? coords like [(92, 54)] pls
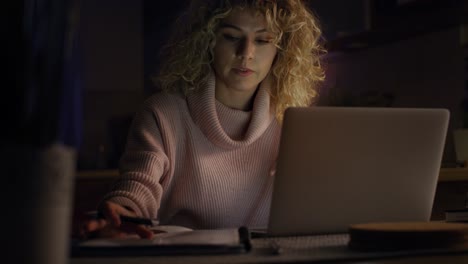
[(177, 242), (339, 166)]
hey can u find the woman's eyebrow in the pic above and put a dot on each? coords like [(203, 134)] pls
[(227, 25)]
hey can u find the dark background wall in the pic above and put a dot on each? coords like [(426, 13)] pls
[(121, 42), (112, 33), (397, 53), (424, 71)]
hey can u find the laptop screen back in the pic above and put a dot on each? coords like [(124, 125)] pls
[(339, 166)]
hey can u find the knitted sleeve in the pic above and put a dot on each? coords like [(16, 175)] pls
[(142, 166)]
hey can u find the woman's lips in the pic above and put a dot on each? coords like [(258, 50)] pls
[(243, 71)]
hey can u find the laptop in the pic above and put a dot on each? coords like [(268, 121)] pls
[(339, 166)]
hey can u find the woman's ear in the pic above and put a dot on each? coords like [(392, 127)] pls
[(212, 44), (212, 47)]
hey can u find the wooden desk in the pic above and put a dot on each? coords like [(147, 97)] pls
[(306, 249), (442, 259), (451, 192), (430, 259)]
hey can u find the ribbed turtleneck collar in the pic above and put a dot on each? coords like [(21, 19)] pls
[(204, 111)]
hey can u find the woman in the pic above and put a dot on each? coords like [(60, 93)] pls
[(202, 154)]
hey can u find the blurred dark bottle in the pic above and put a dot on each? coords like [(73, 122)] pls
[(41, 131)]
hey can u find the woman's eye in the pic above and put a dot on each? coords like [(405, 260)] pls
[(230, 37), (263, 41)]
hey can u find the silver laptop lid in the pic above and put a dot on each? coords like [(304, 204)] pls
[(339, 166)]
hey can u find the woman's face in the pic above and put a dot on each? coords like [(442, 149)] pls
[(244, 51)]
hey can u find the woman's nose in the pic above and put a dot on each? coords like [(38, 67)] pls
[(246, 49)]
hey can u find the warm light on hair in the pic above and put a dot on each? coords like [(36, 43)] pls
[(296, 71)]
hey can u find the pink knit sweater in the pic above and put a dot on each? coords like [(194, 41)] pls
[(197, 163)]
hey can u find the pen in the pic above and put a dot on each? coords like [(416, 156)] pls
[(128, 219)]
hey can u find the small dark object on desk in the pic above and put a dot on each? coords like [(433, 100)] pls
[(408, 236), (455, 164), (456, 215)]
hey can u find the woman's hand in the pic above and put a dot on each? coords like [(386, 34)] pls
[(111, 226)]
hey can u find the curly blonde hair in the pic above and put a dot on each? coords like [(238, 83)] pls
[(296, 72)]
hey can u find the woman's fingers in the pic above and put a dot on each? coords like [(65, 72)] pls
[(109, 212), (141, 230), (113, 211), (94, 225), (112, 226), (91, 227), (144, 232)]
